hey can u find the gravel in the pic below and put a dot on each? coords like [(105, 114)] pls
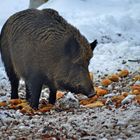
[(73, 122), (97, 123)]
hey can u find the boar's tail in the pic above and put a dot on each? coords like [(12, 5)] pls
[(93, 44)]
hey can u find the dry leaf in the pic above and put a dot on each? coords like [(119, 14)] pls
[(89, 100), (103, 100), (22, 105), (137, 98), (114, 78), (117, 100), (101, 92), (136, 92), (46, 108), (3, 104), (59, 94), (136, 78), (136, 87), (125, 94), (15, 101), (12, 106), (106, 82), (95, 104), (23, 110), (27, 110), (123, 73)]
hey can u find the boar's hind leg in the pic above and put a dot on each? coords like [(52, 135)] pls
[(14, 81), (34, 86), (13, 78)]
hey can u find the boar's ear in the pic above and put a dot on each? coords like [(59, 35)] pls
[(93, 44)]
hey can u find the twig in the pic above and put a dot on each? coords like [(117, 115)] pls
[(138, 60)]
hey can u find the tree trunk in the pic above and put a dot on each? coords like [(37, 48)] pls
[(36, 3)]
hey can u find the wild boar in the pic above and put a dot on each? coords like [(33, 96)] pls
[(41, 47)]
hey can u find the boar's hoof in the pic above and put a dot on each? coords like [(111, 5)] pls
[(33, 106)]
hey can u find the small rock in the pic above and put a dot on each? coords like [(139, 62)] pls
[(109, 95), (109, 87), (40, 130), (124, 62), (122, 123), (12, 138), (24, 128), (34, 121), (128, 99), (104, 139), (108, 102), (3, 128), (89, 138), (137, 83), (68, 101)]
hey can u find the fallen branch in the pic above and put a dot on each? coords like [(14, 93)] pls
[(138, 60)]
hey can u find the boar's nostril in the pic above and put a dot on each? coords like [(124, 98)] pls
[(91, 95)]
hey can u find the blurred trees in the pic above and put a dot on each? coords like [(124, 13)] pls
[(36, 3)]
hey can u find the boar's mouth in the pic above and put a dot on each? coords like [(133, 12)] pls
[(76, 89), (90, 95)]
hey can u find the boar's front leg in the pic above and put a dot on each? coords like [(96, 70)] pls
[(14, 87), (52, 96), (28, 93), (14, 80), (34, 86)]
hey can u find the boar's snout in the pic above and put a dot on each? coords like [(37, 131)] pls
[(91, 95)]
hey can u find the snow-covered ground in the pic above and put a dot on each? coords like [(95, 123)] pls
[(108, 21), (8, 8), (116, 26)]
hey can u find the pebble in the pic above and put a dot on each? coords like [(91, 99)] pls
[(18, 114), (12, 137), (40, 130), (109, 87), (109, 95), (16, 131), (3, 127), (131, 83), (104, 139), (34, 121), (89, 138), (24, 128), (68, 101), (128, 99), (122, 123), (32, 125), (137, 83)]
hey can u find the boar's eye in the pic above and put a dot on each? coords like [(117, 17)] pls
[(72, 48)]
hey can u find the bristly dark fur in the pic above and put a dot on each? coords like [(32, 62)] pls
[(42, 48)]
